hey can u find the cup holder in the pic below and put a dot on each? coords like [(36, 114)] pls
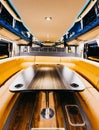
[(18, 85), (74, 85), (74, 115)]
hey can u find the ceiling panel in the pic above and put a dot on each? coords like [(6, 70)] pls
[(63, 13)]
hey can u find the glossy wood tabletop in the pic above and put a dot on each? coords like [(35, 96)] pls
[(47, 77)]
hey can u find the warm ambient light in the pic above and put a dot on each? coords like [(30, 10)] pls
[(48, 18)]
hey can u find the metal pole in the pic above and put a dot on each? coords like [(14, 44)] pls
[(47, 99)]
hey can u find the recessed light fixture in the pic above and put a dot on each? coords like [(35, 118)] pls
[(48, 18)]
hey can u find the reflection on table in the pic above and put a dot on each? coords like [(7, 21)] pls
[(47, 77)]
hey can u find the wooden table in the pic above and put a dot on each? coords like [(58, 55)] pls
[(47, 77)]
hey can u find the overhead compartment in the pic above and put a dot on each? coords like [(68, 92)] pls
[(12, 12), (11, 26)]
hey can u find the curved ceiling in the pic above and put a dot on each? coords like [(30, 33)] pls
[(63, 13)]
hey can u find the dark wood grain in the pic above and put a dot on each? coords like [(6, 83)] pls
[(68, 98), (21, 116), (34, 102)]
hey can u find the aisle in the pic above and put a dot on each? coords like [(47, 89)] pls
[(38, 120), (27, 113)]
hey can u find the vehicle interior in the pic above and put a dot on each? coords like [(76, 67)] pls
[(49, 65)]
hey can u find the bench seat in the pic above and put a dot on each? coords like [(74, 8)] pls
[(89, 98)]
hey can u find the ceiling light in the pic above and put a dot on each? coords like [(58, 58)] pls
[(48, 18)]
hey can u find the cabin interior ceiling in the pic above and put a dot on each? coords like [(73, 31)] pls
[(63, 14)]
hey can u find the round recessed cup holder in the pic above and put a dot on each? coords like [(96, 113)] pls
[(18, 85), (74, 85)]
